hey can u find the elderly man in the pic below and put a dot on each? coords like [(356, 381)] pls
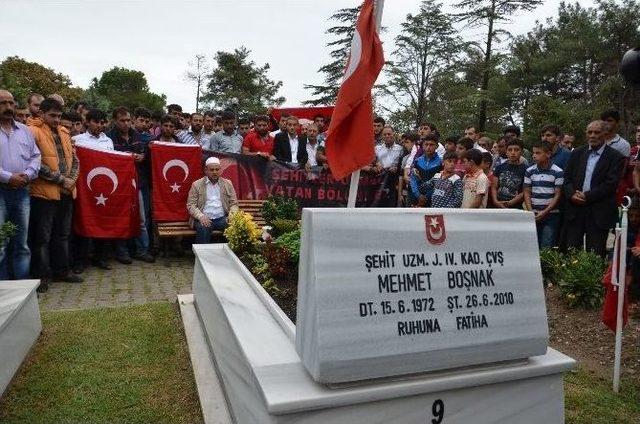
[(19, 165), (590, 180), (211, 200)]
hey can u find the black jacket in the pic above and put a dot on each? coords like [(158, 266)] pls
[(601, 197), (282, 148)]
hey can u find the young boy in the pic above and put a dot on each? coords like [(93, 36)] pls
[(446, 186), (506, 190), (542, 190), (424, 168), (464, 145), (476, 184), (486, 166), (450, 144)]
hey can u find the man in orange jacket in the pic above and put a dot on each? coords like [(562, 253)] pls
[(52, 196)]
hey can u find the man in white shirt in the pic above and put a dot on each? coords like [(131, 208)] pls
[(388, 153), (211, 200), (312, 145), (94, 137)]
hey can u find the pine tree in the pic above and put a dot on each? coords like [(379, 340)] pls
[(491, 13), (343, 32), (426, 47)]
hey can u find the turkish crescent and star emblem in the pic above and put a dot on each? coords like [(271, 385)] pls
[(436, 233), (101, 200), (175, 187)]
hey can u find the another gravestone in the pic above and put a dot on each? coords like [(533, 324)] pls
[(391, 292)]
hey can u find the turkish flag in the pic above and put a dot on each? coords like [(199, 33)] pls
[(350, 134), (610, 306), (174, 167), (107, 202)]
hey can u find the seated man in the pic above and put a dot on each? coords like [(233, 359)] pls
[(211, 200)]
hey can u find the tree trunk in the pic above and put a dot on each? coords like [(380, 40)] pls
[(482, 115)]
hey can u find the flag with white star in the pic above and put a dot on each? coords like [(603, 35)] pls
[(107, 202)]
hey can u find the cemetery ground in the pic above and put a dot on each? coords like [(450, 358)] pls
[(113, 350)]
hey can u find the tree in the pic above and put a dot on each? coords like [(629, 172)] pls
[(333, 71), (124, 87), (238, 84), (197, 75), (21, 78), (426, 47), (491, 13)]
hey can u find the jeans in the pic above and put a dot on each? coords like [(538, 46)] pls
[(49, 232), (547, 230), (142, 241), (16, 256), (203, 234)]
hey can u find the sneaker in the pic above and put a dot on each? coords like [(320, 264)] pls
[(69, 278), (145, 257), (124, 259), (43, 287)]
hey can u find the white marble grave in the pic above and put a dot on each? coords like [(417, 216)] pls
[(253, 346), (377, 298), (20, 325)]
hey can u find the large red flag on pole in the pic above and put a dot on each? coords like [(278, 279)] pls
[(350, 134), (107, 202)]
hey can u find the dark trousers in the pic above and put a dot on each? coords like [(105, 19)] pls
[(203, 234), (49, 231), (581, 227)]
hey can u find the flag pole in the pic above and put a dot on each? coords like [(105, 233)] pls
[(355, 175), (621, 281)]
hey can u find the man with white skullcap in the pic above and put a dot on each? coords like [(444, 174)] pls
[(211, 200)]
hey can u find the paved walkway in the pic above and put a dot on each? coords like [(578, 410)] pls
[(132, 284)]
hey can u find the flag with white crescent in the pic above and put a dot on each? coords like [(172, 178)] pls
[(107, 202), (174, 167), (350, 135)]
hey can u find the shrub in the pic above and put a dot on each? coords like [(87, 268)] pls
[(580, 279), (283, 226), (291, 242), (277, 207), (551, 260), (242, 233), (279, 260), (7, 230)]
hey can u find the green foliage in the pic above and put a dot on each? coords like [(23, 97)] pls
[(551, 260), (427, 45), (21, 78), (242, 233), (577, 273), (291, 242), (277, 207), (239, 84), (333, 71), (7, 230), (124, 87), (283, 226)]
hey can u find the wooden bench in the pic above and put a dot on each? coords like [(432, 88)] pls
[(167, 230)]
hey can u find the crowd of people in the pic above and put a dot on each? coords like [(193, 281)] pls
[(573, 192)]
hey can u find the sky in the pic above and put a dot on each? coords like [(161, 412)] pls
[(84, 38)]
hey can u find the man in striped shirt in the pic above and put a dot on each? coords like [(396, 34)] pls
[(542, 190)]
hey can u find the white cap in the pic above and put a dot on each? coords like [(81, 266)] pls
[(212, 161)]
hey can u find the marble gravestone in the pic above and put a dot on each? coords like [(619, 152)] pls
[(20, 325), (391, 292)]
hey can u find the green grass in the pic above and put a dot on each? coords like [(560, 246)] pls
[(590, 400), (116, 365), (131, 365)]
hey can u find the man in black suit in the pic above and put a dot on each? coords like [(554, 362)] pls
[(590, 181), (289, 147)]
